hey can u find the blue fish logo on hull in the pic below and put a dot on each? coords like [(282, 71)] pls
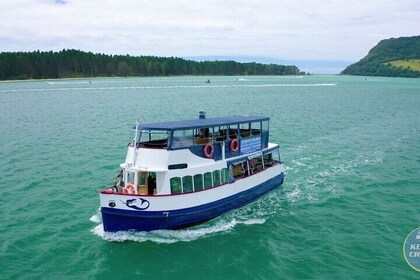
[(137, 203)]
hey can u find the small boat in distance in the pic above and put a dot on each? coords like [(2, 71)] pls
[(181, 173), (208, 81)]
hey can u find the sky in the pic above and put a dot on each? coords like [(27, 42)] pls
[(332, 33)]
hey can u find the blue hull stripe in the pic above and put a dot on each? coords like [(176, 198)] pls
[(117, 219)]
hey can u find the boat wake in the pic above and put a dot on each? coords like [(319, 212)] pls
[(172, 87), (69, 82), (251, 214), (173, 236), (309, 182)]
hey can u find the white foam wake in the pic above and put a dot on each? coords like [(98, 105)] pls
[(173, 236), (97, 218), (69, 83), (249, 215), (170, 87)]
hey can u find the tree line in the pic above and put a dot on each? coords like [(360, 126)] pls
[(77, 64)]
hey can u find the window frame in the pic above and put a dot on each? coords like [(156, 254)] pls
[(184, 179), (148, 143), (253, 131), (217, 137), (171, 185), (245, 130), (202, 182), (198, 136), (184, 140), (177, 166), (226, 171), (265, 126), (234, 127), (211, 180), (130, 175), (216, 173)]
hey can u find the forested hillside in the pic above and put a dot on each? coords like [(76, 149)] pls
[(76, 63), (386, 59)]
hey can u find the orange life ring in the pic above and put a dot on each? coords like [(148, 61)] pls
[(208, 150), (129, 189), (234, 145)]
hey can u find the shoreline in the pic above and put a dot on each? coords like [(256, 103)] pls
[(54, 79), (121, 77)]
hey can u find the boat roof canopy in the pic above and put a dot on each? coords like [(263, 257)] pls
[(198, 123)]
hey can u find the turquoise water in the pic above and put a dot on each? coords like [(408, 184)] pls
[(351, 195)]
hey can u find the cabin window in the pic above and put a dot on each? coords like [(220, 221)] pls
[(207, 180), (224, 175), (198, 182), (203, 135), (255, 165), (216, 178), (154, 138), (220, 133), (244, 128), (256, 128), (176, 185), (271, 158), (177, 166), (268, 160), (231, 176), (130, 177), (142, 178), (233, 131), (187, 184), (182, 138), (265, 126), (276, 157), (240, 170), (142, 183)]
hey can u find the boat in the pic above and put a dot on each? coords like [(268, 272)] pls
[(207, 81), (178, 174)]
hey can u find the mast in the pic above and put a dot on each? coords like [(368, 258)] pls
[(135, 142)]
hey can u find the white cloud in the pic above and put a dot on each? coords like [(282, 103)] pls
[(318, 30)]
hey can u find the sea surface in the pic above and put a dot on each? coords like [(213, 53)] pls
[(351, 147)]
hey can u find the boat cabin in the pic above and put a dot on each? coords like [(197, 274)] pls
[(192, 155), (249, 132)]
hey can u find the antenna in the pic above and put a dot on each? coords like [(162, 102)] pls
[(135, 141), (136, 133)]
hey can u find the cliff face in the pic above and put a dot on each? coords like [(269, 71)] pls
[(395, 57)]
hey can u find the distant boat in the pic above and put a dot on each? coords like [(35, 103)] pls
[(207, 82)]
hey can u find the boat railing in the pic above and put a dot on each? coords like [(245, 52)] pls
[(202, 140)]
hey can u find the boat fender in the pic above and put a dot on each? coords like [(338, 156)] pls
[(129, 189), (208, 150), (234, 145)]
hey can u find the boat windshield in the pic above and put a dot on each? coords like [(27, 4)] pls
[(154, 139)]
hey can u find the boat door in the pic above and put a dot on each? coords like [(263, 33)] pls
[(142, 183), (146, 182)]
